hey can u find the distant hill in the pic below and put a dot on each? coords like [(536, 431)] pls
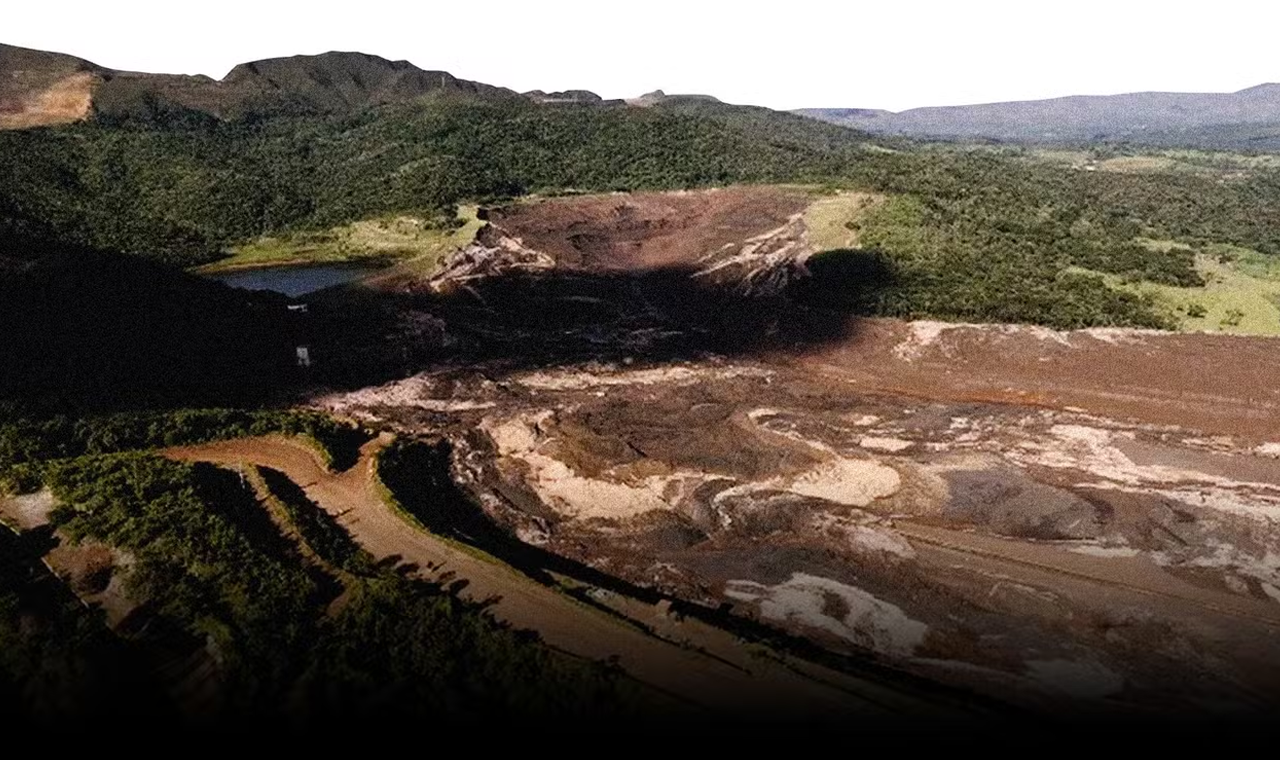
[(1248, 118), (658, 97), (42, 89)]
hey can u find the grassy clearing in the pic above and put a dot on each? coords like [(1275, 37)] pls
[(1149, 160), (418, 241), (427, 258), (1241, 293), (836, 221), (1134, 164)]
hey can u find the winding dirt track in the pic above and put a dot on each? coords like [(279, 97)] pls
[(698, 679)]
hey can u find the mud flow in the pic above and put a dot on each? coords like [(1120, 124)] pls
[(647, 388)]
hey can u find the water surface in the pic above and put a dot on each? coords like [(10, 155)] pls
[(293, 281)]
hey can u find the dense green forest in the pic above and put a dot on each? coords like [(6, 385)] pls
[(282, 637), (181, 194), (971, 234)]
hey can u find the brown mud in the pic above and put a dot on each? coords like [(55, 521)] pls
[(1085, 518)]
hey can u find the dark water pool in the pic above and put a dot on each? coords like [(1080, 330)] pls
[(293, 281)]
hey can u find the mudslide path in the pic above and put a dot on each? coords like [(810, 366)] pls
[(698, 679)]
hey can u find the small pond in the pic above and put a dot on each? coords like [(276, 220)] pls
[(293, 281)]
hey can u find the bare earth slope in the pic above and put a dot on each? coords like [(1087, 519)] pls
[(1064, 521), (41, 89)]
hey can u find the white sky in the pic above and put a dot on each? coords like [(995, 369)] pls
[(893, 54)]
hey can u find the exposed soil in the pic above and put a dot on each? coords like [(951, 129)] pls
[(1085, 519), (67, 100), (628, 232)]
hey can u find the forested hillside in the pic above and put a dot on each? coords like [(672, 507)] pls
[(968, 234)]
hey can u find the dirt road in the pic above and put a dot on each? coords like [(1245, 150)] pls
[(702, 680)]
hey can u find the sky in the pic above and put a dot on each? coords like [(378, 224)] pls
[(784, 54)]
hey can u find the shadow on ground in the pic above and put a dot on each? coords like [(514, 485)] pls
[(522, 320)]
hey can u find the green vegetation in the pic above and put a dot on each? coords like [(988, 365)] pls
[(424, 242), (413, 479), (836, 221), (29, 447), (185, 194), (975, 234), (1241, 294), (217, 575), (936, 269), (57, 658)]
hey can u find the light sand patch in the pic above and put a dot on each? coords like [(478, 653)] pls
[(1092, 450), (852, 482), (865, 533), (577, 380), (416, 392), (1217, 553), (1039, 333), (1098, 550), (891, 445), (885, 541), (855, 482), (1118, 336), (1252, 505), (29, 510), (866, 620), (562, 489), (926, 333), (1271, 450), (922, 335)]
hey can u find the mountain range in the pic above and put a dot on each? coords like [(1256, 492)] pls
[(1249, 118), (44, 89), (39, 88)]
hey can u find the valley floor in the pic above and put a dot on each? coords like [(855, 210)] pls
[(1080, 521)]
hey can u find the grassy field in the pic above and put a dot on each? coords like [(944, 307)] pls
[(398, 238), (1241, 293), (1150, 160), (833, 222)]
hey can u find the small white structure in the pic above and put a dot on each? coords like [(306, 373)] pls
[(304, 356), (301, 308)]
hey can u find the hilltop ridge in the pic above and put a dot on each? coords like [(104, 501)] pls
[(44, 89), (1208, 119)]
